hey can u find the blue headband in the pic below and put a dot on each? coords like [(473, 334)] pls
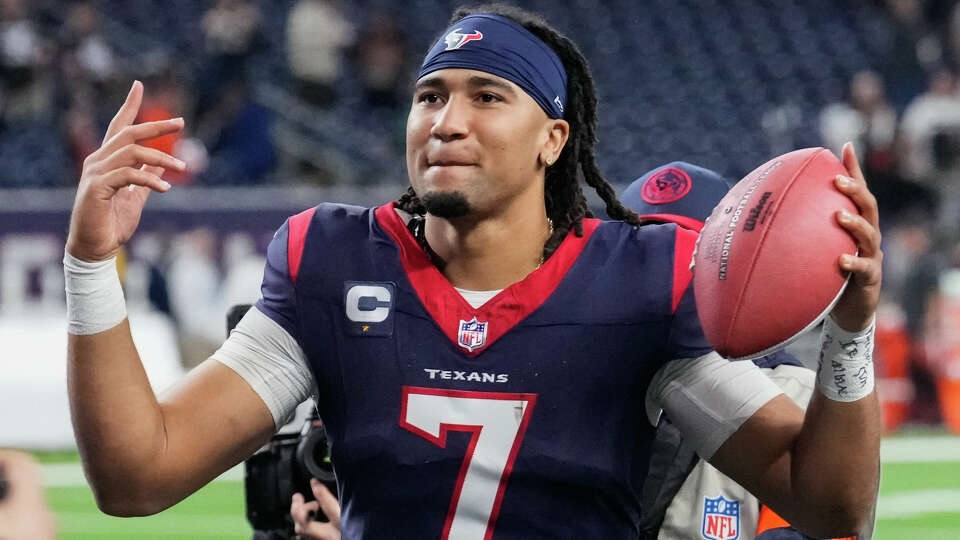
[(501, 47)]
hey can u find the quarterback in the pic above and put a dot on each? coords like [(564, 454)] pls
[(489, 360)]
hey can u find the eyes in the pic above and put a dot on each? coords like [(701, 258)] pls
[(433, 98), (428, 97)]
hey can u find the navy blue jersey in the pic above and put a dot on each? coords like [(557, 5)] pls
[(519, 419)]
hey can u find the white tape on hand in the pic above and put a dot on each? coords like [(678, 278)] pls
[(846, 362), (94, 296)]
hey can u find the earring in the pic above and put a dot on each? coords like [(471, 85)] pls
[(549, 161)]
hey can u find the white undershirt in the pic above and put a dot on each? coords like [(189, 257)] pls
[(707, 398), (477, 298)]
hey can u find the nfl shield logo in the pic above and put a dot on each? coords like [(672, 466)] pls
[(721, 519), (472, 334)]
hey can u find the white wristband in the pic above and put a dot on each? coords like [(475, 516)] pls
[(846, 362), (94, 295)]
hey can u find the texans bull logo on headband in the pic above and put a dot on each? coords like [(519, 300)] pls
[(455, 39)]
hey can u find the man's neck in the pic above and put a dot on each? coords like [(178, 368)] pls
[(491, 253)]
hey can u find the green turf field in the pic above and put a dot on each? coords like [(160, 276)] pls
[(919, 500)]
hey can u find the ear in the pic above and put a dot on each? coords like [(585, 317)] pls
[(558, 131)]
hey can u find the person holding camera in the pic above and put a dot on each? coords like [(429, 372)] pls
[(303, 514)]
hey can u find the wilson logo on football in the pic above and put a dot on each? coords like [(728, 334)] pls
[(455, 39)]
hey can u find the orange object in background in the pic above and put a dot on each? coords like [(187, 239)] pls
[(152, 112), (892, 363), (948, 389), (162, 99), (770, 521), (942, 346)]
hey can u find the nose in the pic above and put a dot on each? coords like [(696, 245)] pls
[(452, 121)]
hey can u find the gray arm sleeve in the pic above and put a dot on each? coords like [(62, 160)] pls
[(271, 362), (708, 398)]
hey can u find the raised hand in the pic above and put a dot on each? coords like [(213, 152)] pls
[(116, 181), (856, 307)]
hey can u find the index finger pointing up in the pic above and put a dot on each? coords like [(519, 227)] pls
[(851, 162), (859, 191), (128, 111)]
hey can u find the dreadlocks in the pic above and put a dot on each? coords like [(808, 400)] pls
[(563, 197)]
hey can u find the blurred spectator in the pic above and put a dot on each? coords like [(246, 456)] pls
[(243, 267), (83, 134), (911, 267), (911, 48), (382, 70), (869, 121), (232, 34), (229, 124), (231, 30), (25, 88), (148, 250), (931, 137), (92, 56), (931, 125), (866, 119), (193, 282), (91, 75), (23, 511), (317, 35), (237, 133)]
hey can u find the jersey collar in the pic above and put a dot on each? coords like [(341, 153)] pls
[(474, 330)]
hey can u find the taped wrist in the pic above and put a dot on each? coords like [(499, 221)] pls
[(94, 296), (846, 362)]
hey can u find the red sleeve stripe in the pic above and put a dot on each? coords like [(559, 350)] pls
[(682, 255), (296, 238)]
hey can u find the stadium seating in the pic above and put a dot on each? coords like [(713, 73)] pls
[(725, 84)]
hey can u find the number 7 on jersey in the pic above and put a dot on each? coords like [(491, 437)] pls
[(497, 422)]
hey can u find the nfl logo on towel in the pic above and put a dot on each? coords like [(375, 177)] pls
[(721, 519), (472, 334)]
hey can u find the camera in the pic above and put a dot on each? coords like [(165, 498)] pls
[(280, 469), (284, 466)]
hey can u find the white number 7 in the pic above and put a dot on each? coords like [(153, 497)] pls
[(498, 422)]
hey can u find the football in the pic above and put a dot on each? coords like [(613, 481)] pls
[(765, 267)]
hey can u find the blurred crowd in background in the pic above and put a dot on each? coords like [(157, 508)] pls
[(315, 92)]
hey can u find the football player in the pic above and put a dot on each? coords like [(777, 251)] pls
[(682, 492), (481, 351)]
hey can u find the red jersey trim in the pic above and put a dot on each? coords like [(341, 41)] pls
[(686, 241), (501, 313), (683, 221), (296, 238)]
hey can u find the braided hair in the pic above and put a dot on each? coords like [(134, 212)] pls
[(564, 199)]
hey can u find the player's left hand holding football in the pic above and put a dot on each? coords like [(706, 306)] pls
[(303, 514), (856, 307)]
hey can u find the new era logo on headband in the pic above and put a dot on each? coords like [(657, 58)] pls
[(455, 39)]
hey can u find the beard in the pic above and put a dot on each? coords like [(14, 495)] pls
[(446, 205)]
